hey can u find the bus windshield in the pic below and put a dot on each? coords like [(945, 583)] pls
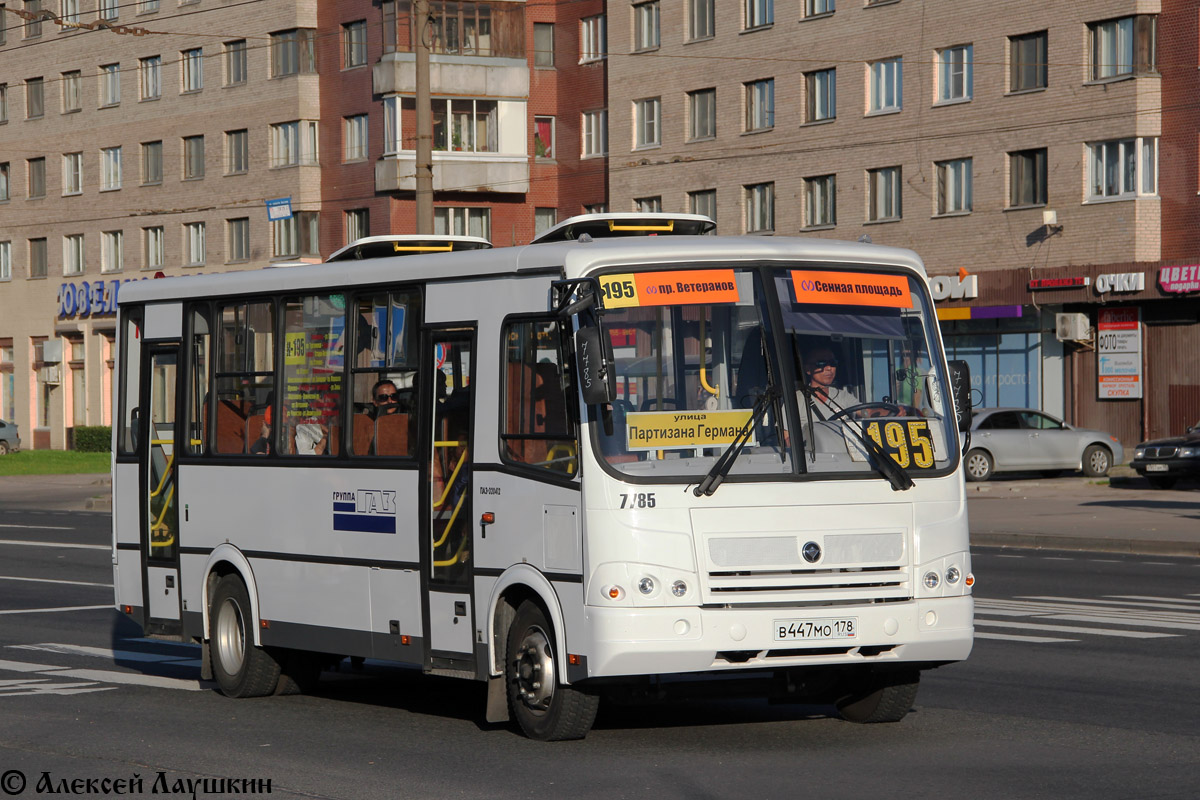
[(849, 353)]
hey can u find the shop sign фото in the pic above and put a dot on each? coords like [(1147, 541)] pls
[(1119, 353)]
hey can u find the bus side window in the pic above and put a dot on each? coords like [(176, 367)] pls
[(313, 366), (130, 382), (198, 357), (537, 428), (384, 374), (245, 373)]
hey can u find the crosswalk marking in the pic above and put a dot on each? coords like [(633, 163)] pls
[(51, 610), (38, 527), (1120, 616), (103, 652), (42, 679), (75, 545), (55, 580)]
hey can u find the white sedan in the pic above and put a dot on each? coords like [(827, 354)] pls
[(1022, 439)]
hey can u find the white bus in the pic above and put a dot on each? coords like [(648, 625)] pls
[(561, 469)]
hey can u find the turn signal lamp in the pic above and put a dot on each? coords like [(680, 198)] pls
[(615, 592), (265, 624), (970, 580)]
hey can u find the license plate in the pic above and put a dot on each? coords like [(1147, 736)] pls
[(1156, 468), (808, 630)]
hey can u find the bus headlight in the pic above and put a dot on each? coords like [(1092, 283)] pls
[(953, 575), (679, 588), (932, 580), (646, 585)]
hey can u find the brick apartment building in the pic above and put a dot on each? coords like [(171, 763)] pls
[(1024, 143), (140, 138)]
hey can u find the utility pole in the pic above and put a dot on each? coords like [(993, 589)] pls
[(421, 25)]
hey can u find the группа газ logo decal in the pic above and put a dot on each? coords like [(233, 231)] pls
[(365, 511)]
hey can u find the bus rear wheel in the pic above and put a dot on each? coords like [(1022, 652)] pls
[(241, 669), (880, 697), (545, 709)]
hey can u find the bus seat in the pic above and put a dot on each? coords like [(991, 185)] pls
[(254, 424), (362, 434), (550, 403), (231, 427), (335, 439), (391, 435)]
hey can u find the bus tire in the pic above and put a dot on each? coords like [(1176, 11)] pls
[(240, 668), (545, 709), (880, 697)]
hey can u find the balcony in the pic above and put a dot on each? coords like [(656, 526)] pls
[(483, 30), (455, 172)]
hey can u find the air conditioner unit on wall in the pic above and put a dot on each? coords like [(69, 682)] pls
[(1073, 327), (50, 374)]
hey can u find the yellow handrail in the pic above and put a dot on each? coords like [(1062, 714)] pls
[(450, 523), (166, 474), (713, 390), (454, 558), (571, 453), (158, 524), (450, 482)]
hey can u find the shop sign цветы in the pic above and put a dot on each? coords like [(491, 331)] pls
[(1119, 353), (1121, 282), (1178, 280)]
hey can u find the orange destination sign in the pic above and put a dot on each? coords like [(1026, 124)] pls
[(852, 289), (675, 288)]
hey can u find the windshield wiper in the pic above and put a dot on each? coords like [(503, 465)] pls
[(721, 468), (885, 464)]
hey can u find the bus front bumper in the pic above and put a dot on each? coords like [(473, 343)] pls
[(649, 641)]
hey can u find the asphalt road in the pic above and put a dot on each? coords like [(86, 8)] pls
[(1082, 684)]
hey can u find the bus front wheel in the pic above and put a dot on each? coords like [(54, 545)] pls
[(880, 697), (241, 669), (544, 708)]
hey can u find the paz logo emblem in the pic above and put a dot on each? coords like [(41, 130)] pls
[(811, 552)]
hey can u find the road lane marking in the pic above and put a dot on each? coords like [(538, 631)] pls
[(1157, 610), (51, 610), (1012, 637), (1129, 617), (103, 652), (1178, 600), (52, 580), (133, 679), (72, 545), (38, 527), (24, 666), (1034, 626)]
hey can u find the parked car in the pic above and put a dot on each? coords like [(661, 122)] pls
[(10, 438), (1019, 439), (1164, 461)]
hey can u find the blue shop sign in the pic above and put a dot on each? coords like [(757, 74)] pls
[(88, 298)]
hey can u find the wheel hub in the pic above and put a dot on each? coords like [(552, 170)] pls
[(535, 670), (231, 637)]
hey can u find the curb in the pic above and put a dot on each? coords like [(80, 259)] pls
[(1136, 547)]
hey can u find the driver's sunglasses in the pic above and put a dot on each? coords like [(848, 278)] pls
[(386, 397), (826, 362)]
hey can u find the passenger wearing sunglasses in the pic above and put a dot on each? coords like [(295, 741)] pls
[(820, 370), (386, 398)]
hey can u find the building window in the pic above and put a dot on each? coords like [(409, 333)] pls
[(543, 44), (73, 254), (147, 6), (235, 62), (646, 122), (152, 171), (72, 173), (702, 114), (110, 84), (293, 52), (595, 133), (6, 263), (883, 194), (813, 8), (1027, 58), (3, 27), (72, 91), (703, 203), (759, 13), (648, 205), (760, 208), (358, 224), (68, 10), (5, 190), (3, 102), (463, 222), (472, 128), (193, 244), (191, 65), (112, 251), (35, 98), (33, 25), (354, 44), (1123, 168), (35, 170), (886, 84), (38, 258), (701, 19), (237, 152), (150, 78), (544, 219), (646, 34), (593, 38), (193, 157), (110, 169), (543, 138), (1027, 178), (820, 200), (294, 143), (1122, 47), (355, 143), (955, 73), (820, 95), (596, 208), (152, 243), (109, 9), (239, 239), (296, 236), (760, 105), (954, 186)]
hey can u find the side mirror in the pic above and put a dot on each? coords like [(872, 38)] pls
[(960, 390), (593, 365)]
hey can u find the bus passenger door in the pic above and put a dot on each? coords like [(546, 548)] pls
[(449, 550), (160, 495)]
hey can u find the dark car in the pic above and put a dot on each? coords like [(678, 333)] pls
[(1164, 461), (10, 438)]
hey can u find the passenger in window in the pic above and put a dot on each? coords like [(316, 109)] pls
[(821, 393), (386, 398), (262, 445), (312, 439)]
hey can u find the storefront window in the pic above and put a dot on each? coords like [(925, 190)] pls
[(1005, 366)]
